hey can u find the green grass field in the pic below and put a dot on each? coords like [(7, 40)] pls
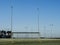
[(29, 41)]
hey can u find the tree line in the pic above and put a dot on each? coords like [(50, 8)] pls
[(5, 34)]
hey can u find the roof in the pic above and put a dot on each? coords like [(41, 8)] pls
[(26, 32)]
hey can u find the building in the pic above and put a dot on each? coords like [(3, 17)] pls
[(26, 35)]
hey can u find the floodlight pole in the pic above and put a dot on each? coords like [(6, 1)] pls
[(38, 18), (44, 31), (38, 21), (11, 19), (51, 29), (11, 16)]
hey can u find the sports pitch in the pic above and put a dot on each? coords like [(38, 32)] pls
[(29, 41)]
